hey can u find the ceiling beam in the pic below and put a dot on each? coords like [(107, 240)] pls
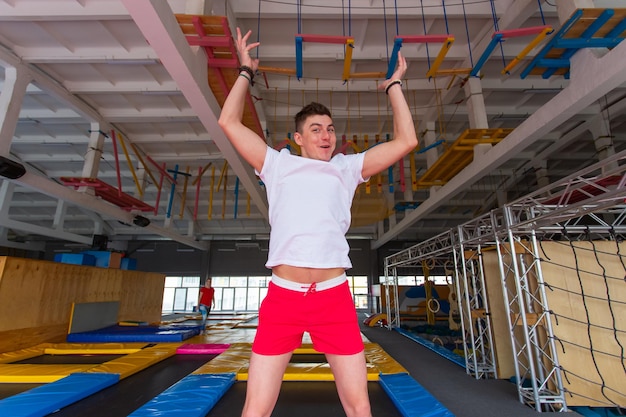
[(591, 78), (160, 28)]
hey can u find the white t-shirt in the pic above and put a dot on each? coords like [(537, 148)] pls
[(309, 208)]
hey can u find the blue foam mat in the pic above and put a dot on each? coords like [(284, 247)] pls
[(128, 334), (411, 399), (193, 396), (48, 398), (446, 353)]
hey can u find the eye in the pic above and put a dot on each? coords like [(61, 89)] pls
[(331, 130), (316, 130)]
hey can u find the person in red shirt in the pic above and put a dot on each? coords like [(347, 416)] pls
[(206, 300)]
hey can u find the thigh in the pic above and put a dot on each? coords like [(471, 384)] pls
[(265, 375), (350, 372), (280, 330)]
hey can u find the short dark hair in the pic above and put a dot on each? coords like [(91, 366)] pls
[(310, 109)]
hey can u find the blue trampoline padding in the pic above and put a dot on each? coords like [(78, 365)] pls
[(135, 334), (193, 396), (411, 399), (446, 353), (48, 398)]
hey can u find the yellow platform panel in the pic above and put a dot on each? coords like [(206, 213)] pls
[(134, 360), (38, 374), (22, 354), (229, 361), (138, 361), (380, 359), (459, 155), (310, 372)]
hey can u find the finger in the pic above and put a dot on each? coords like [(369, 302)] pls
[(247, 35)]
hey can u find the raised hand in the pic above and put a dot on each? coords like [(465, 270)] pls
[(398, 73), (243, 50)]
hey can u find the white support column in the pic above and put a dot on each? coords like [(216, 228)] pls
[(59, 215), (475, 104), (94, 152), (408, 190), (565, 8), (6, 195), (15, 83), (476, 112), (430, 137), (200, 7)]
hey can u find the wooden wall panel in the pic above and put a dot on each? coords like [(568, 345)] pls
[(598, 270), (505, 362), (36, 296)]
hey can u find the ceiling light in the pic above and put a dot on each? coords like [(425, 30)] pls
[(11, 169), (141, 221), (131, 61), (543, 90)]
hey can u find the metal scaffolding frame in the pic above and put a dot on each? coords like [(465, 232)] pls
[(411, 257), (591, 204), (474, 308), (591, 201)]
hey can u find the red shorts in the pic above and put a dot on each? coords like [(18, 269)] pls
[(329, 316)]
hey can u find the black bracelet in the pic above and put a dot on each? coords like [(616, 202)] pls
[(249, 71), (242, 74), (391, 84)]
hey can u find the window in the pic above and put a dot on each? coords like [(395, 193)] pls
[(360, 291), (238, 293), (180, 294)]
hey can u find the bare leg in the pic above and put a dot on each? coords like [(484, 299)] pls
[(265, 376), (351, 379)]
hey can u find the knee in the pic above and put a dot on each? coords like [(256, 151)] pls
[(361, 409)]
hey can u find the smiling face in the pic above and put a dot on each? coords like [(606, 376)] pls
[(317, 137), (315, 132)]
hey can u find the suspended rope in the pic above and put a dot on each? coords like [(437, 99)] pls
[(386, 37), (358, 104), (445, 15), (288, 104), (543, 19), (347, 54), (275, 113), (378, 108), (343, 18), (424, 25), (317, 90), (258, 29), (299, 13), (397, 25), (496, 28), (348, 108), (438, 100), (469, 45), (330, 100), (349, 17)]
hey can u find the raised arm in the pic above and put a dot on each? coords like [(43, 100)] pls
[(404, 139), (249, 144)]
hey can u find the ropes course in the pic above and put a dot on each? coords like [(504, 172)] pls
[(548, 280)]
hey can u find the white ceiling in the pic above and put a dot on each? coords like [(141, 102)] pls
[(72, 68)]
